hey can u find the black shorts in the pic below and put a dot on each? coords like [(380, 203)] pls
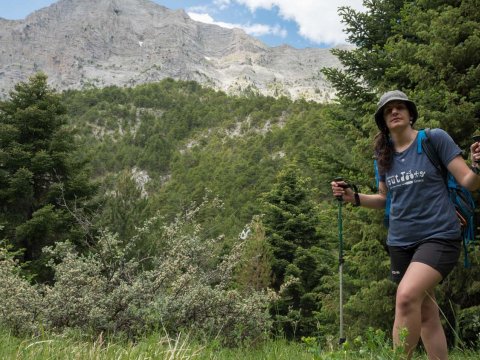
[(440, 254)]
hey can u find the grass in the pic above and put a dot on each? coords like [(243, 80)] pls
[(160, 346)]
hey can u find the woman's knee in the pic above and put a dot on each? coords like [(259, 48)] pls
[(418, 280), (407, 299)]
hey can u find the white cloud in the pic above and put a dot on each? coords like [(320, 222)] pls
[(261, 29), (222, 4), (198, 9), (317, 20), (251, 29), (207, 19)]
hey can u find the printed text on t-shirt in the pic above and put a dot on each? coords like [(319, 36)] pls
[(405, 178)]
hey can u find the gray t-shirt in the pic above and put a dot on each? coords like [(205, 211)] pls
[(420, 207)]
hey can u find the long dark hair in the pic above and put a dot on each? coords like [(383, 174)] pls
[(383, 147)]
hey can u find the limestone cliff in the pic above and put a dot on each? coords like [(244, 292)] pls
[(129, 42)]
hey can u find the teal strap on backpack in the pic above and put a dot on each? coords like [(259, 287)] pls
[(460, 196), (388, 200)]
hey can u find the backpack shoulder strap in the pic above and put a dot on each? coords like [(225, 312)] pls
[(377, 174), (429, 147), (420, 137)]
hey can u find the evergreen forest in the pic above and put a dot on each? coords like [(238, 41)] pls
[(174, 207)]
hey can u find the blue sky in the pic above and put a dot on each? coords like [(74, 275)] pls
[(299, 23)]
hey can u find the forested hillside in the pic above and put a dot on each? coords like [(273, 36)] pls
[(159, 147), (214, 213), (234, 188)]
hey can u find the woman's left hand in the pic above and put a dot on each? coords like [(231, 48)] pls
[(475, 153)]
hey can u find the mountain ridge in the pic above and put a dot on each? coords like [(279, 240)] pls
[(99, 43)]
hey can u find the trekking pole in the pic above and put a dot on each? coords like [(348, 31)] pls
[(341, 339)]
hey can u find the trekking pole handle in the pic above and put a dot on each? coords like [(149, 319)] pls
[(476, 138), (345, 186)]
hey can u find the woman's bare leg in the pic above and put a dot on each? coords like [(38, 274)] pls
[(432, 333), (411, 293)]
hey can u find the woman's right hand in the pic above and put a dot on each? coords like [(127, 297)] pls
[(341, 189)]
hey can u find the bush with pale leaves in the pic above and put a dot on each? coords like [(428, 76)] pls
[(20, 302), (185, 288)]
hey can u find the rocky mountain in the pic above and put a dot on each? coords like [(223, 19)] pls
[(81, 43)]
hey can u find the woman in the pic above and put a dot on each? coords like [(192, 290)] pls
[(424, 233)]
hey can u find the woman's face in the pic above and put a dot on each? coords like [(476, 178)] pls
[(396, 115)]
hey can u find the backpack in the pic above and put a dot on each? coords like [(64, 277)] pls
[(460, 196)]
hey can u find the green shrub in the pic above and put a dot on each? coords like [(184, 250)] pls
[(20, 302), (186, 287)]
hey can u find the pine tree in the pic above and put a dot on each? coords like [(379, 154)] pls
[(39, 178), (125, 206), (290, 220), (299, 257), (364, 66), (429, 49)]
